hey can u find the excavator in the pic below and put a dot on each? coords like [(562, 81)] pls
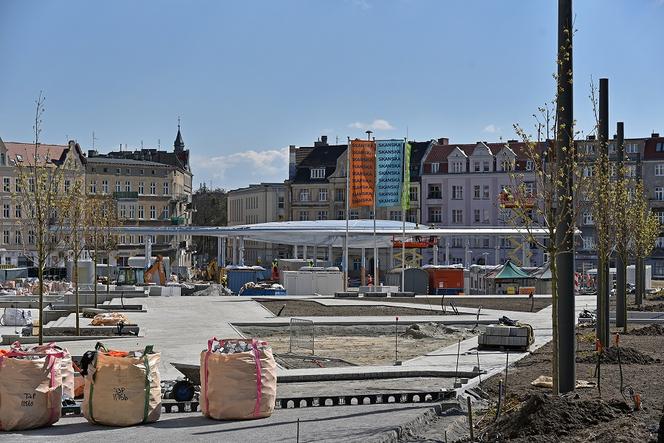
[(214, 273), (157, 266)]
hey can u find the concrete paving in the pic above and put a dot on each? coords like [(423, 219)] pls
[(366, 423)]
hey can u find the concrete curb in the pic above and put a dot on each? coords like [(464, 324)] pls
[(414, 373)]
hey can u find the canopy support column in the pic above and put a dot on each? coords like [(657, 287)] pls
[(241, 251), (435, 254), (447, 252), (363, 268)]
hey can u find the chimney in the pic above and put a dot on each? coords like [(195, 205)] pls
[(654, 135), (590, 137), (92, 153), (324, 139), (443, 141), (292, 167), (321, 142)]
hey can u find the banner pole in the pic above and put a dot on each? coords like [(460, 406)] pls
[(348, 152), (403, 219), (375, 252)]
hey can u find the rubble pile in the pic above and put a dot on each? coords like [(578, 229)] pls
[(627, 356)]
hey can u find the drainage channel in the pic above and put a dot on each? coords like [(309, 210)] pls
[(171, 406)]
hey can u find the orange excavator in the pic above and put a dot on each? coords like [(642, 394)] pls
[(157, 266)]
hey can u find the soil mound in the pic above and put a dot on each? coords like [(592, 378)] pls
[(658, 307), (547, 416), (654, 329), (434, 330), (628, 356)]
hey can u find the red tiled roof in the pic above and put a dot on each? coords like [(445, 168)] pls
[(439, 153), (650, 148), (26, 151)]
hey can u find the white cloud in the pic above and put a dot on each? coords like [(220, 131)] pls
[(361, 4), (378, 124), (491, 129), (241, 168)]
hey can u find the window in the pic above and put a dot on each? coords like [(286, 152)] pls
[(17, 185), (153, 188), (18, 238), (630, 170), (167, 188), (659, 169), (477, 190), (395, 215), (153, 212), (141, 212), (354, 214), (341, 215), (588, 171), (660, 215), (434, 214), (340, 195), (457, 216), (457, 192), (31, 237), (612, 148), (141, 187), (477, 214), (507, 165), (529, 188), (142, 172), (486, 217), (529, 165), (167, 213), (486, 192), (152, 172), (118, 186), (631, 148), (104, 187), (434, 192), (485, 164), (322, 195), (659, 147), (118, 171), (18, 211), (477, 166), (281, 201), (590, 148), (659, 193), (588, 218), (6, 184), (413, 194), (322, 215), (5, 237), (6, 210), (123, 211), (435, 167), (31, 185), (318, 173), (304, 216), (457, 242), (588, 243), (304, 195), (458, 166), (140, 240), (127, 186), (132, 212)]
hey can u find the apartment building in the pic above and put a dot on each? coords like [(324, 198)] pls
[(461, 184), (258, 203), (152, 188), (17, 244)]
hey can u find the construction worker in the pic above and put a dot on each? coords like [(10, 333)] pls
[(275, 270)]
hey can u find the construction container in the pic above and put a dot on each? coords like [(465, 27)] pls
[(445, 280), (239, 275), (416, 280), (310, 281)]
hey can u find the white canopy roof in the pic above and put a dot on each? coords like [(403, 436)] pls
[(325, 232)]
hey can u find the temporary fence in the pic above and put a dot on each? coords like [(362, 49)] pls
[(302, 335)]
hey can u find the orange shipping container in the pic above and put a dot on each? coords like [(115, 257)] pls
[(444, 278)]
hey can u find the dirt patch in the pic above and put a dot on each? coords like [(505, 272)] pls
[(654, 329), (611, 356), (293, 361), (543, 416), (500, 304), (647, 307), (360, 344), (303, 308)]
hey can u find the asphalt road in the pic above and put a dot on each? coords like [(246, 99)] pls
[(332, 424)]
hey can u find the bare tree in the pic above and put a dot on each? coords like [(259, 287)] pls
[(39, 180), (645, 228), (76, 210), (108, 239), (95, 236), (547, 210)]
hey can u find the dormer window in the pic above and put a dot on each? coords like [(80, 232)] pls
[(457, 167), (435, 167), (529, 165), (19, 158), (318, 173)]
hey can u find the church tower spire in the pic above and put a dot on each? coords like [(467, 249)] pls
[(179, 143)]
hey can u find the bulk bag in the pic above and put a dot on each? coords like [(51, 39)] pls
[(239, 380), (30, 387), (122, 388)]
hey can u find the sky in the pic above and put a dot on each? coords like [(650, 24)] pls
[(249, 78)]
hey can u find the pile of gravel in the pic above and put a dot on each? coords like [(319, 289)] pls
[(628, 356), (551, 416), (654, 329)]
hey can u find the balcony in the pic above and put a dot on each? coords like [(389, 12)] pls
[(127, 195)]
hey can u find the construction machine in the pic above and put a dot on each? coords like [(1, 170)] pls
[(157, 266), (214, 273)]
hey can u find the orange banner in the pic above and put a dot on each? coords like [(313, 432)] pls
[(362, 172)]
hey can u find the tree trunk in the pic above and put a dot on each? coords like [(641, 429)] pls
[(640, 280), (41, 303), (95, 274), (78, 309), (554, 324), (621, 292), (108, 274)]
